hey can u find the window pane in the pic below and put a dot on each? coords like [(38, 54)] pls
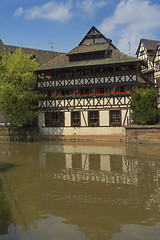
[(115, 116), (54, 119), (75, 119), (93, 118)]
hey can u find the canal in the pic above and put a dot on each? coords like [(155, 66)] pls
[(82, 191)]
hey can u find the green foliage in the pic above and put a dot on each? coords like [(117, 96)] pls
[(144, 106), (17, 87)]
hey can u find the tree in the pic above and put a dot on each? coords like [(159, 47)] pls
[(17, 87), (144, 106)]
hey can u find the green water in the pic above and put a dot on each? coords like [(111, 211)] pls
[(79, 191)]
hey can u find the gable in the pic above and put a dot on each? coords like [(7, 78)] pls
[(94, 36)]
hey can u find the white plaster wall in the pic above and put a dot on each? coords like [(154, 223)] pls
[(84, 118), (104, 118), (82, 131), (67, 117), (123, 115)]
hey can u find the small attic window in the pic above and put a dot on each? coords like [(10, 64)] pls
[(87, 56), (75, 57), (150, 52)]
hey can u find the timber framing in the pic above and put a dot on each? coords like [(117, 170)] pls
[(92, 83)]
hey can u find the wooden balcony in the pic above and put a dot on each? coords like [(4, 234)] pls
[(88, 81), (86, 102)]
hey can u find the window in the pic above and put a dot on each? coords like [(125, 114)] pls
[(86, 56), (157, 66), (54, 119), (75, 119), (115, 118), (150, 52), (93, 118), (98, 55), (74, 57), (142, 53)]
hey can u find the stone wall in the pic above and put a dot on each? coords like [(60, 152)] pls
[(131, 134), (143, 134), (4, 134), (17, 134)]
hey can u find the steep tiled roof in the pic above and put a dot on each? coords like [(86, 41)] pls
[(149, 45), (62, 61), (157, 49), (43, 56), (89, 48)]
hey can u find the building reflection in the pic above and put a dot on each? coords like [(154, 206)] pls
[(89, 167), (5, 214), (97, 188)]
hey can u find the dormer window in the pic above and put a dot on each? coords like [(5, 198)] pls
[(93, 46), (90, 56), (150, 52)]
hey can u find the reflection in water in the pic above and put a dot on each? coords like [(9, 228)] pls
[(5, 215), (82, 192)]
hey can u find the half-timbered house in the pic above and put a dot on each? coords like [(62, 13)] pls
[(146, 51), (156, 65), (87, 92)]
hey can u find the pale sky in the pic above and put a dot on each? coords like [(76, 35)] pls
[(36, 23)]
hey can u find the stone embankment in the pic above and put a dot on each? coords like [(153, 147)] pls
[(143, 133), (18, 135), (133, 134)]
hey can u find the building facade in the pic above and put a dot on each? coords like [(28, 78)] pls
[(148, 50), (156, 66), (87, 92)]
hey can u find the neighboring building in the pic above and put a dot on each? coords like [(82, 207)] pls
[(42, 57), (156, 65), (146, 51), (87, 91)]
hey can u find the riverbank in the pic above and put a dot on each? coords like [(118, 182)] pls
[(143, 134), (129, 134)]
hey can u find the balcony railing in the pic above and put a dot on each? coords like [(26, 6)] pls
[(86, 101)]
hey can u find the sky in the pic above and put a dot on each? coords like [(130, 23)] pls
[(43, 24)]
